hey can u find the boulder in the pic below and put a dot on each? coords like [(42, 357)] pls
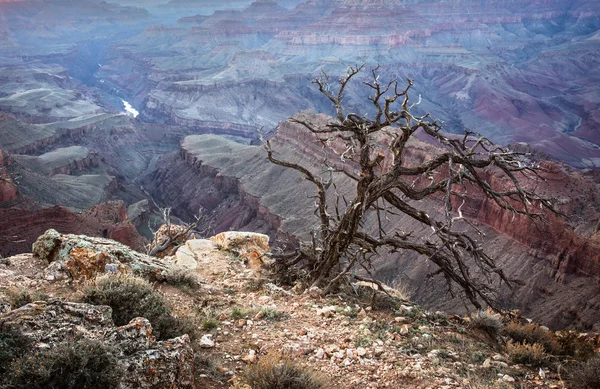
[(251, 247), (81, 257), (188, 255), (145, 363)]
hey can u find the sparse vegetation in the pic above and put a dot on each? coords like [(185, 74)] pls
[(585, 375), (240, 312), (532, 333), (529, 354), (19, 297), (271, 314), (275, 371), (363, 341), (488, 322), (84, 364), (131, 297), (13, 344), (210, 323), (571, 346), (182, 279)]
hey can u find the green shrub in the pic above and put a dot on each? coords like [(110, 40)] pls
[(20, 297), (585, 375), (240, 313), (363, 341), (271, 314), (182, 279), (13, 344), (131, 297), (273, 371), (80, 365), (210, 323), (488, 322), (532, 334), (528, 354)]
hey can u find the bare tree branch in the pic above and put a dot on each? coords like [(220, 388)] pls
[(371, 151)]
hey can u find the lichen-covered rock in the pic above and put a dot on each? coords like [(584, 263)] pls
[(162, 236), (81, 257), (54, 321), (132, 337), (251, 247), (145, 363), (169, 364)]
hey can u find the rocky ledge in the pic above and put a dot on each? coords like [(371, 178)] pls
[(145, 362)]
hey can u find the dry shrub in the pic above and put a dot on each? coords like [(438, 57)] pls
[(19, 297), (13, 344), (585, 375), (528, 354), (275, 371), (487, 321), (84, 364), (183, 279), (572, 346), (532, 333), (131, 297)]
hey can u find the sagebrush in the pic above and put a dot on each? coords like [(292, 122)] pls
[(131, 297), (83, 364)]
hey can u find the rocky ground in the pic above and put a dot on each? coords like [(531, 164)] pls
[(359, 338)]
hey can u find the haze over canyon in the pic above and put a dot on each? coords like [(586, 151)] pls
[(110, 110)]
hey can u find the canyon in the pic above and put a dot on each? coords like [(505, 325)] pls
[(208, 81)]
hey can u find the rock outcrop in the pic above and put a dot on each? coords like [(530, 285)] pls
[(80, 257), (145, 363), (250, 247)]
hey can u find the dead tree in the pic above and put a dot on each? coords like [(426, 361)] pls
[(175, 235), (363, 144)]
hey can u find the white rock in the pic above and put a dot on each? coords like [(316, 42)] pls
[(508, 378), (207, 342), (361, 351), (487, 363), (320, 353)]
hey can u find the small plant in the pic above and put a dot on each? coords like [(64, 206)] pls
[(488, 322), (4, 261), (19, 297), (528, 354), (363, 341), (13, 344), (84, 364), (240, 313), (271, 314), (585, 375), (209, 323), (477, 356), (532, 334), (182, 279), (351, 312), (275, 371), (131, 297)]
